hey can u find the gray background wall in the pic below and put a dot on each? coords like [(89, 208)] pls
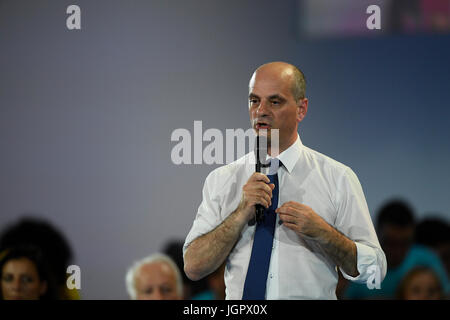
[(86, 116)]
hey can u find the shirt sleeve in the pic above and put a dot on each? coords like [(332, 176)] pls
[(208, 213), (353, 220)]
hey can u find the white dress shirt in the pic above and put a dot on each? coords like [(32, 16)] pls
[(299, 268)]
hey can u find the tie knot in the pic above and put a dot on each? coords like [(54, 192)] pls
[(274, 165)]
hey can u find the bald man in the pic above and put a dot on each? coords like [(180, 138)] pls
[(316, 217)]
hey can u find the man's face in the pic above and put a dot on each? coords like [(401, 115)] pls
[(156, 281), (272, 105), (396, 242), (20, 280)]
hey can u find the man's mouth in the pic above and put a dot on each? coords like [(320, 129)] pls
[(262, 125)]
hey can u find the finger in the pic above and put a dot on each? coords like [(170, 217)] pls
[(291, 226), (288, 219), (258, 198), (287, 211), (256, 193), (258, 188), (267, 197), (263, 201), (294, 204), (258, 176), (261, 186), (295, 209)]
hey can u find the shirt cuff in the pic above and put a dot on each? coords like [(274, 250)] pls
[(365, 257)]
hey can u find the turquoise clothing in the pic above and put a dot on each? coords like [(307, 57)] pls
[(417, 256), (205, 295)]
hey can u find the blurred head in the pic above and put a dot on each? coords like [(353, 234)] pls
[(435, 234), (395, 227), (154, 278), (24, 275), (42, 234), (216, 282), (277, 101), (420, 284)]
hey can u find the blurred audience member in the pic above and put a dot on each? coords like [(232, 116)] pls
[(193, 290), (435, 234), (421, 283), (51, 242), (413, 16), (395, 228), (155, 277), (24, 275), (216, 284)]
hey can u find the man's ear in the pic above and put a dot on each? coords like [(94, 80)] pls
[(302, 109)]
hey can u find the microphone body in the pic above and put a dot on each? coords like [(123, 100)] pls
[(259, 214), (261, 151)]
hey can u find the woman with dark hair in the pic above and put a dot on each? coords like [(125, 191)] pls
[(24, 275), (51, 242)]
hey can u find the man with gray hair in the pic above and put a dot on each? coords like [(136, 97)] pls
[(155, 277)]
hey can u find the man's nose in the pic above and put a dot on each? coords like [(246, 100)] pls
[(158, 295), (263, 109)]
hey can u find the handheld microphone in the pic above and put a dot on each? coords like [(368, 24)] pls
[(261, 151)]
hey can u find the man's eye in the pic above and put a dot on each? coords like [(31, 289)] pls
[(166, 290), (252, 101), (276, 102)]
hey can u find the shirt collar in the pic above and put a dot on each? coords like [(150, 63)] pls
[(290, 156)]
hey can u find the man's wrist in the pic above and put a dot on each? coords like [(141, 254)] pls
[(325, 233), (240, 217)]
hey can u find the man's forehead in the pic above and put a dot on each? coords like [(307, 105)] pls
[(268, 89), (158, 267), (273, 82), (155, 273)]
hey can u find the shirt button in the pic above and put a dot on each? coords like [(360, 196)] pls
[(271, 276)]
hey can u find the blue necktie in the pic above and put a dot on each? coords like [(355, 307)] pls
[(258, 268)]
